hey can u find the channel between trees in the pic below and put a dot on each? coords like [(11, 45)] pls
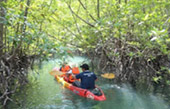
[(130, 38)]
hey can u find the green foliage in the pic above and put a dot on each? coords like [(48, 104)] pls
[(37, 32), (140, 26), (163, 77), (138, 29), (156, 79)]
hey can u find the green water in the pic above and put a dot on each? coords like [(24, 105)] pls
[(43, 92)]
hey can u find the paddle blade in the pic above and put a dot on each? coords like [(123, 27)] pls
[(55, 71), (108, 75)]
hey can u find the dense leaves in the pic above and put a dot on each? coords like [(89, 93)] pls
[(129, 37)]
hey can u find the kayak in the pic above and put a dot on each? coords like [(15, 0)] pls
[(95, 94)]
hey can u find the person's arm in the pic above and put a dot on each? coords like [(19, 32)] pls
[(78, 76), (74, 76)]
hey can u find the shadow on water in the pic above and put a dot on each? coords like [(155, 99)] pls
[(43, 92)]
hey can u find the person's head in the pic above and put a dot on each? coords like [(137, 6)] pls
[(64, 64), (72, 65), (84, 67)]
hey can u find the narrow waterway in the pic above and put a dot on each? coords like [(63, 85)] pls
[(44, 92)]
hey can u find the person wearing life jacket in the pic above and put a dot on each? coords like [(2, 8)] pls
[(65, 68), (75, 71)]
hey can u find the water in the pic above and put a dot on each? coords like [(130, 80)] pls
[(43, 92)]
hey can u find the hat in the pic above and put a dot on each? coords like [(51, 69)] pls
[(72, 65), (85, 66)]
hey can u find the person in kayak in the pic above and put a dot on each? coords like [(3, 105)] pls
[(87, 78), (74, 70), (65, 68)]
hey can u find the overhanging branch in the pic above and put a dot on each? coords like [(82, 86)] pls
[(80, 17), (86, 10)]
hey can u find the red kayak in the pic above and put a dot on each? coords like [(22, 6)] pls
[(95, 94)]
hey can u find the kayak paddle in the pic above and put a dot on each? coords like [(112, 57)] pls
[(53, 73), (56, 71), (108, 75)]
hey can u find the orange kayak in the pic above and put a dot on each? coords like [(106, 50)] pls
[(95, 94)]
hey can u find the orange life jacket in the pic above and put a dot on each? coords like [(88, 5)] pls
[(65, 68), (75, 70)]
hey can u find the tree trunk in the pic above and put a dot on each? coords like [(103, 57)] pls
[(126, 1), (1, 27), (119, 1), (98, 8), (25, 16), (24, 27)]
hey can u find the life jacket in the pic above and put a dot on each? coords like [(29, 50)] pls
[(65, 68), (75, 71)]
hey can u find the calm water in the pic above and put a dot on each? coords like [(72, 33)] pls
[(43, 92)]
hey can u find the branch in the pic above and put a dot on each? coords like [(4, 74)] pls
[(6, 99), (65, 27), (77, 26), (86, 10), (80, 17), (107, 57)]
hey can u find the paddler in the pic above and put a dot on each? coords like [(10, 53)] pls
[(87, 78), (65, 68), (74, 70)]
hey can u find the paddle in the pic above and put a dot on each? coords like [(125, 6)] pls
[(56, 71), (108, 75)]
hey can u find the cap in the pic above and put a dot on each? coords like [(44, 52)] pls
[(72, 65), (85, 66)]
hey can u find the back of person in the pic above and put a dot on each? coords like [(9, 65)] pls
[(87, 79)]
